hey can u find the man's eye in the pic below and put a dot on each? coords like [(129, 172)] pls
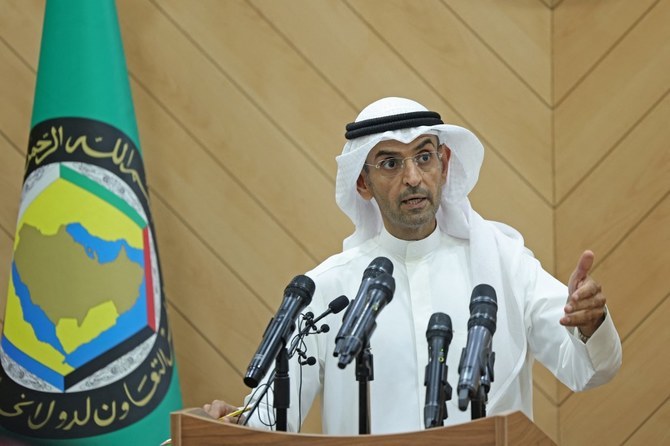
[(423, 158), (389, 164)]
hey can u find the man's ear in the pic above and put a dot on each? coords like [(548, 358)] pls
[(362, 187), (446, 156)]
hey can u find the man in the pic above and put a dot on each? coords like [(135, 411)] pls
[(403, 179)]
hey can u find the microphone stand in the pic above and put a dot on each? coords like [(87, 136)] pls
[(478, 404), (282, 388), (364, 374), (281, 381), (444, 396)]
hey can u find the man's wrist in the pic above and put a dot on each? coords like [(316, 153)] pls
[(582, 337)]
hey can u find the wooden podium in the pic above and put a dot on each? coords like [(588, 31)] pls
[(195, 427)]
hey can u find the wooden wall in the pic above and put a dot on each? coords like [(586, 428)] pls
[(612, 183), (241, 107)]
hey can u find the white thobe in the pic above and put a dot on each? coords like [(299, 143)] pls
[(433, 275)]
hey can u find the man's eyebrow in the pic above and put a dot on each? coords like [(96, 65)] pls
[(421, 145), (424, 142)]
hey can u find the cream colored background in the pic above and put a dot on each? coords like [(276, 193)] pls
[(241, 107)]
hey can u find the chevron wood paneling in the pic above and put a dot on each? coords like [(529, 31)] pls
[(260, 62), (334, 49), (604, 415), (11, 167), (655, 429), (611, 100), (613, 196), (19, 79), (201, 383), (243, 325), (241, 107), (517, 33), (600, 23), (619, 191), (545, 410), (241, 138), (634, 291), (546, 383), (11, 171), (499, 105)]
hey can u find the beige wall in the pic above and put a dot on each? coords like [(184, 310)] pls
[(241, 107)]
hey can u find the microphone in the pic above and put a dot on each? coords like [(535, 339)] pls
[(376, 267), (306, 360), (438, 390), (335, 306), (380, 293), (297, 295), (476, 364)]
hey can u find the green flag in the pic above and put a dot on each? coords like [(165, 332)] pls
[(86, 351)]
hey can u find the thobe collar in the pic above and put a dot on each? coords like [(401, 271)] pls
[(408, 250)]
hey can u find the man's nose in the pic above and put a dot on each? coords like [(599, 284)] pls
[(411, 173)]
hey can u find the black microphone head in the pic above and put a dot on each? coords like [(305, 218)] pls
[(338, 304), (484, 294), (303, 286), (378, 266), (439, 324), (297, 295), (385, 283), (483, 307)]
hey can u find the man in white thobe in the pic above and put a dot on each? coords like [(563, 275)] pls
[(403, 179)]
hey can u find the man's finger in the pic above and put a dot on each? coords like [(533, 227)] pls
[(218, 408), (581, 271), (585, 298), (586, 290), (583, 318)]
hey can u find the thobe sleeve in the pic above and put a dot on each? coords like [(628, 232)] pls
[(576, 364)]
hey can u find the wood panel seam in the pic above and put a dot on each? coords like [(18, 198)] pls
[(614, 147), (16, 149), (308, 61), (484, 141), (635, 225), (543, 392), (18, 55), (630, 333), (209, 248), (604, 55), (202, 335), (246, 94), (495, 53), (552, 128), (239, 182), (646, 316), (551, 4), (11, 143), (9, 234), (645, 420)]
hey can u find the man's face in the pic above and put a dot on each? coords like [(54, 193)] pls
[(410, 195)]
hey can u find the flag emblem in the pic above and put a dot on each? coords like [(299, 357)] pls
[(83, 309)]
